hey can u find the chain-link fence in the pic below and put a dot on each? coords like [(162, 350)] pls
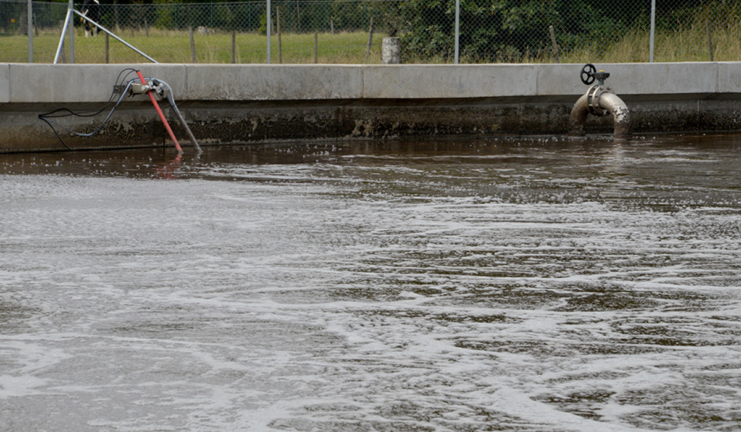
[(351, 31)]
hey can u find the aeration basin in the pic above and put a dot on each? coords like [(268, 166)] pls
[(232, 104)]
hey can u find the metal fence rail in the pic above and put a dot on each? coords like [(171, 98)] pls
[(350, 31)]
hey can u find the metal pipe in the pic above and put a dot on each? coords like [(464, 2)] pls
[(578, 117), (620, 114), (184, 123), (159, 111), (30, 31), (653, 30), (115, 37), (606, 101), (72, 34), (61, 39), (171, 99), (270, 29), (457, 28)]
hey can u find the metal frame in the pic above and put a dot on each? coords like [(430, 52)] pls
[(71, 7), (61, 39), (69, 18)]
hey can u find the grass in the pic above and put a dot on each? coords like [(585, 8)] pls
[(678, 46), (687, 41), (174, 47)]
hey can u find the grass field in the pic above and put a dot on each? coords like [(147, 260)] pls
[(174, 47), (688, 44)]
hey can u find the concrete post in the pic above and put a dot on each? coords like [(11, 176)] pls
[(391, 50)]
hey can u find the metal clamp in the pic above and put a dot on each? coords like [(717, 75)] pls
[(593, 95)]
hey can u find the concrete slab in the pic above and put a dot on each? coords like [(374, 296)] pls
[(4, 83), (633, 78), (45, 83), (729, 77), (559, 80), (448, 81), (273, 82)]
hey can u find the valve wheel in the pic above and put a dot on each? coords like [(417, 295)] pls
[(587, 73)]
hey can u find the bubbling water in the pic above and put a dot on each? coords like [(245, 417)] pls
[(394, 286)]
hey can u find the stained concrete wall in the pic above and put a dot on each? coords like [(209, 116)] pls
[(248, 103)]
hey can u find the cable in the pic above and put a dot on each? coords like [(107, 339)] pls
[(49, 117)]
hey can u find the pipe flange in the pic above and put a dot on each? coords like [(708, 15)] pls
[(593, 95)]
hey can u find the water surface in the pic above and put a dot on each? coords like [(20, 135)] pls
[(464, 285)]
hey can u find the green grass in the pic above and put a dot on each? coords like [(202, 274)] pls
[(174, 47), (686, 42), (679, 46)]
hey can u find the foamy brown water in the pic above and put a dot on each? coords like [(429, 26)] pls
[(446, 286)]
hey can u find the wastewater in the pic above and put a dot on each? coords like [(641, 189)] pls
[(484, 284)]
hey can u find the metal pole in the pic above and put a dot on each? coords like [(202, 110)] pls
[(30, 31), (270, 30), (115, 37), (72, 33), (653, 29), (61, 39), (457, 27)]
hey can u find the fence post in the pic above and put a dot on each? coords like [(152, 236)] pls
[(269, 27), (457, 28), (710, 40), (370, 40), (71, 33), (653, 30), (555, 45), (234, 43), (115, 15), (30, 31), (192, 44), (277, 24)]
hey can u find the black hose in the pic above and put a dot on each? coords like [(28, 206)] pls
[(50, 116)]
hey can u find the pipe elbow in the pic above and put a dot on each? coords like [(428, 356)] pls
[(620, 114), (578, 117)]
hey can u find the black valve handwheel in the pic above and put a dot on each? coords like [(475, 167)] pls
[(587, 73)]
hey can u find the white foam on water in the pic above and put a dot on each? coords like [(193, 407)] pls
[(494, 293)]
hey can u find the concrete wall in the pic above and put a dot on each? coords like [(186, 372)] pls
[(247, 103)]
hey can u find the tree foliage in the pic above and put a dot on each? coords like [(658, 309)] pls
[(511, 30)]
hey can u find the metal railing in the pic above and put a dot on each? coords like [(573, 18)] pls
[(350, 31)]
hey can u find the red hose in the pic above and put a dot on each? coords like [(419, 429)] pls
[(159, 111)]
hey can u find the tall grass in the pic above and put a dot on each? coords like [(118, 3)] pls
[(683, 36)]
